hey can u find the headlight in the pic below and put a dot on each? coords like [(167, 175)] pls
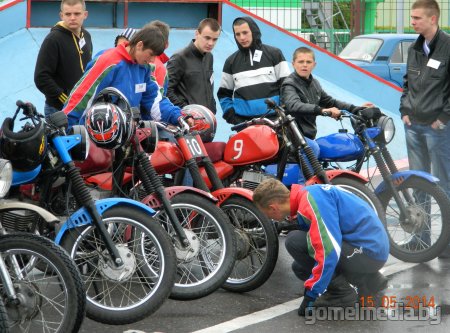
[(147, 134), (387, 129), (81, 151), (5, 177)]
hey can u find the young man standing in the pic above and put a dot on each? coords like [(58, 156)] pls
[(340, 241), (304, 97), (425, 102), (63, 55), (191, 75), (250, 75)]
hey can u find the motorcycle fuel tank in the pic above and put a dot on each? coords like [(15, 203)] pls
[(167, 158), (254, 144), (340, 147)]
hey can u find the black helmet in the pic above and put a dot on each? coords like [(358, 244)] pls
[(108, 121), (25, 149)]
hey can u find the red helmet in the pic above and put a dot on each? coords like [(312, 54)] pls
[(204, 121), (108, 121)]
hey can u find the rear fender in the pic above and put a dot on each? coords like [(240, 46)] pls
[(338, 173), (82, 217), (152, 200), (399, 177), (224, 193)]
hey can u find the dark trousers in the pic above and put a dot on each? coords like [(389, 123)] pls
[(355, 265)]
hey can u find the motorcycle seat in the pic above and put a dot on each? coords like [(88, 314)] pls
[(215, 150)]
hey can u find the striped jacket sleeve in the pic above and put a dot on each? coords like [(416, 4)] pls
[(226, 88), (85, 89), (324, 241)]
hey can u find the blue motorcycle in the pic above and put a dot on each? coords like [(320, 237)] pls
[(125, 257), (417, 209)]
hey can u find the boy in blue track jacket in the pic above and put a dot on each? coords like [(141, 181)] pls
[(341, 241), (125, 67)]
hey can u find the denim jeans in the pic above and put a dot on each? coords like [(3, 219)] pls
[(429, 150), (48, 110)]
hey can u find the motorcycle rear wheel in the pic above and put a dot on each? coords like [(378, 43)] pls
[(52, 296), (428, 233), (257, 244), (115, 295), (203, 270)]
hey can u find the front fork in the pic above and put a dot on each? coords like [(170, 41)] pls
[(153, 184), (387, 168)]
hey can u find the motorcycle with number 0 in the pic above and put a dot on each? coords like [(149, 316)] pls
[(201, 234), (257, 242), (126, 259), (416, 207), (40, 286)]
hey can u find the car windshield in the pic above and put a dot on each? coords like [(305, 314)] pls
[(363, 49)]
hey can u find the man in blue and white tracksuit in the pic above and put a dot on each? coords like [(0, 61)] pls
[(250, 75)]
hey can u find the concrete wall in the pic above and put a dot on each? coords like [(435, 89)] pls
[(18, 53), (13, 15)]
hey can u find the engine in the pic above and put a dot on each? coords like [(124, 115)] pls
[(19, 220), (252, 178)]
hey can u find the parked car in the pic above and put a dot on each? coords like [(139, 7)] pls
[(381, 54)]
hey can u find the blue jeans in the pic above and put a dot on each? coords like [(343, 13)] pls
[(429, 150), (48, 110)]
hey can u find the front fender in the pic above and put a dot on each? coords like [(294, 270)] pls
[(338, 173), (224, 193), (82, 217), (152, 200), (11, 205), (399, 177)]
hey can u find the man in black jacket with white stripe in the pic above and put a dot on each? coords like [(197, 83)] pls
[(250, 75)]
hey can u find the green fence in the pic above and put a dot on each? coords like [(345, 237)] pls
[(331, 24)]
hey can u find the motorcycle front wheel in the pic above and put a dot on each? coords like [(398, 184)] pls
[(48, 286), (204, 266), (257, 245), (422, 232), (4, 324), (131, 292)]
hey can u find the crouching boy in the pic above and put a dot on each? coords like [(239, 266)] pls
[(341, 241)]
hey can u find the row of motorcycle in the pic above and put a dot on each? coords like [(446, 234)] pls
[(111, 231)]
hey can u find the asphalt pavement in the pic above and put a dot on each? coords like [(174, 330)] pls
[(273, 306)]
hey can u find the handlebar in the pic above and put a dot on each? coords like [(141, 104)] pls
[(255, 121)]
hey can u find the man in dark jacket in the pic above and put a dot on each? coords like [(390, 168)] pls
[(250, 75), (191, 75), (304, 97), (425, 102), (63, 56)]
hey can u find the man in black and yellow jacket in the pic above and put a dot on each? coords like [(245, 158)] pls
[(63, 56)]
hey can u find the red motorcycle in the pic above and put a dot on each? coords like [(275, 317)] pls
[(204, 241), (262, 142), (257, 241)]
